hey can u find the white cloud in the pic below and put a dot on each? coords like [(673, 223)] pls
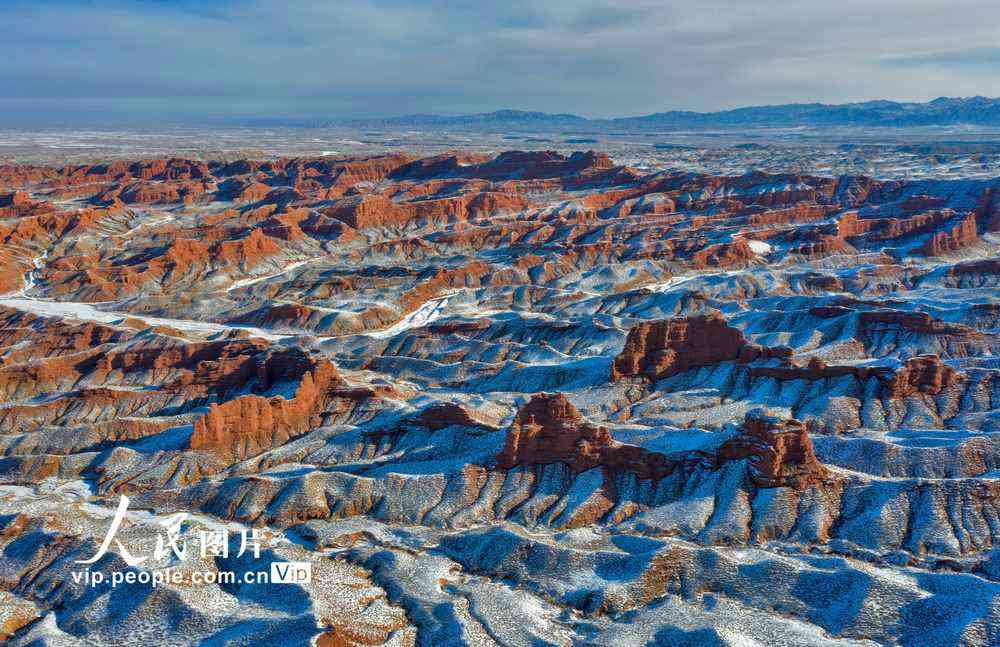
[(356, 57)]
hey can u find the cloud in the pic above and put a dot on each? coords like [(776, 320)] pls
[(983, 58), (175, 60)]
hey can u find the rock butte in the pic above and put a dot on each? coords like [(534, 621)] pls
[(779, 451), (659, 349), (549, 429)]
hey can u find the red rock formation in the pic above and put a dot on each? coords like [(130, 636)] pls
[(350, 172), (825, 246), (18, 175), (489, 203), (731, 254), (659, 349), (850, 225), (143, 192), (440, 165), (948, 231), (251, 424), (369, 211), (917, 322), (780, 452), (986, 266), (919, 203), (961, 234), (816, 369), (991, 209), (802, 212), (188, 373), (48, 337), (922, 374), (250, 191), (519, 165), (549, 429), (15, 199), (471, 275), (443, 415), (245, 252)]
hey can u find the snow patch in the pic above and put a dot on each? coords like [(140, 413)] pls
[(431, 311), (87, 312)]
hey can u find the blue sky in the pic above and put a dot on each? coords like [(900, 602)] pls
[(147, 61)]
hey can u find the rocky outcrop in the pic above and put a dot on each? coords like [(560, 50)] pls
[(251, 424), (799, 213), (991, 209), (15, 203), (736, 253), (366, 211), (816, 369), (924, 374), (929, 335), (953, 237), (521, 165), (549, 429), (658, 349), (989, 266), (446, 414), (156, 193), (945, 230), (779, 451)]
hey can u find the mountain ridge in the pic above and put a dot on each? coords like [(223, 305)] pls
[(943, 111)]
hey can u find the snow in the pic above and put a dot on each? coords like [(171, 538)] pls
[(759, 246), (242, 283), (87, 312), (425, 314), (149, 224), (29, 278), (667, 285), (676, 281)]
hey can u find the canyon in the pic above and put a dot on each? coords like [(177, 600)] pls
[(517, 398)]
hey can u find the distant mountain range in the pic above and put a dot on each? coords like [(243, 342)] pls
[(945, 111)]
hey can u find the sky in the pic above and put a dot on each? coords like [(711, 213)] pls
[(156, 61)]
